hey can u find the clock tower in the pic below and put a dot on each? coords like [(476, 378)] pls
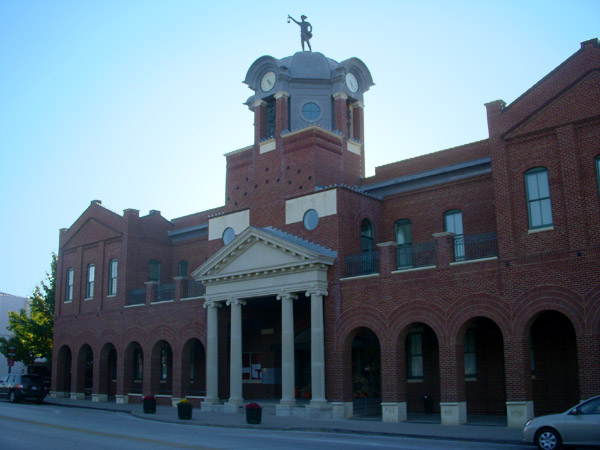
[(308, 128)]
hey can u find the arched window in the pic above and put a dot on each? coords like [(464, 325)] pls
[(69, 290), (453, 223), (367, 244), (89, 285), (228, 235), (164, 372), (112, 277), (138, 361), (193, 364), (538, 198), (404, 241), (154, 270)]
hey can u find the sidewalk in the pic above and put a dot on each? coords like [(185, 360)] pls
[(416, 427)]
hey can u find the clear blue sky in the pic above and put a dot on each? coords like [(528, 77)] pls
[(134, 102)]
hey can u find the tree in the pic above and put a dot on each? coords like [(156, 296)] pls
[(32, 330)]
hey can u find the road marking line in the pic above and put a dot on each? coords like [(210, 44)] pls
[(111, 435)]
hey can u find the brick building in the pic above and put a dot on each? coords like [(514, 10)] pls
[(466, 280)]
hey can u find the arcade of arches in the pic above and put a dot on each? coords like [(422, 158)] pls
[(420, 366)]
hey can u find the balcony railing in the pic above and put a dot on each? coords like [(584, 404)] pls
[(363, 264), (137, 296), (410, 256), (195, 289), (476, 246), (166, 292)]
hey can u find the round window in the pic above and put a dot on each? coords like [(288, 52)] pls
[(311, 111), (228, 235), (311, 219)]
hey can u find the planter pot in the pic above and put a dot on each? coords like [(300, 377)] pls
[(149, 406), (253, 415), (184, 411)]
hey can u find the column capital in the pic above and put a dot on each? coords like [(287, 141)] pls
[(281, 94), (340, 95), (316, 291), (287, 296), (258, 103), (212, 304), (235, 302)]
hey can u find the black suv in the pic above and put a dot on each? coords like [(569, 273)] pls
[(17, 387)]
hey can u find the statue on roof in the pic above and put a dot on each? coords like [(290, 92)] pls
[(305, 31)]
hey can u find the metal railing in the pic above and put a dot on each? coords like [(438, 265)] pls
[(166, 292), (363, 264), (476, 246), (415, 255), (137, 296), (195, 289)]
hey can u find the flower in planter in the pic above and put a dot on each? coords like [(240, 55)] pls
[(253, 413), (149, 402), (183, 401)]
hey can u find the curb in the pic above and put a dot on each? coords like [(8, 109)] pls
[(155, 418)]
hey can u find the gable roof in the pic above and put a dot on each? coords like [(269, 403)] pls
[(265, 261)]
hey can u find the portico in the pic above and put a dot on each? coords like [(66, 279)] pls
[(261, 263)]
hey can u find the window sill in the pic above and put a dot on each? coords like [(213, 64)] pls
[(413, 269), (469, 261), (540, 230), (360, 277), (414, 380), (200, 297), (111, 296), (470, 378), (134, 306), (87, 299), (160, 302)]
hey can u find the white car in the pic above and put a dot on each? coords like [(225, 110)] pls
[(578, 426)]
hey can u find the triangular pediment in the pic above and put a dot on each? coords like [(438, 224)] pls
[(90, 232), (578, 102), (259, 252)]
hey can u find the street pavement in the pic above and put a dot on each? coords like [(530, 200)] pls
[(478, 428)]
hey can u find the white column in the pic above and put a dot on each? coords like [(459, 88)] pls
[(212, 353), (235, 366), (317, 348), (288, 399)]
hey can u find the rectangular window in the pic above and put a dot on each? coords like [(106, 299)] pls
[(415, 355), (183, 269), (89, 286), (470, 355), (69, 291), (112, 277), (404, 240), (154, 271), (538, 198), (453, 223)]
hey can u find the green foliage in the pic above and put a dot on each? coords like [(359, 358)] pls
[(32, 330)]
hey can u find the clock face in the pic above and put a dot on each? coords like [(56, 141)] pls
[(268, 81), (351, 82)]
